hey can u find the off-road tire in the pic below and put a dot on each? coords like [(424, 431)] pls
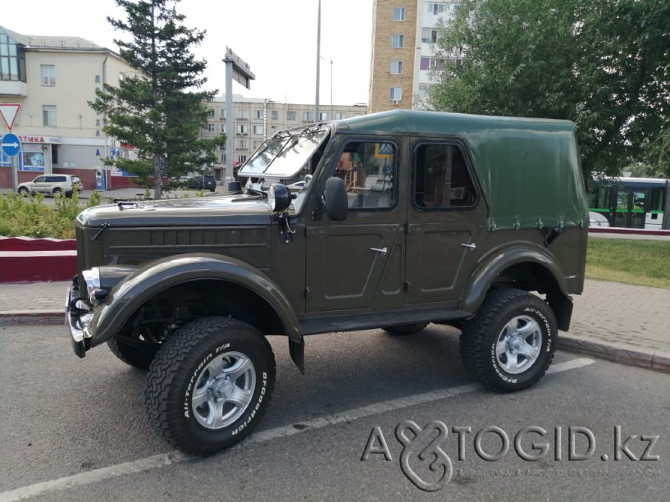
[(57, 192), (405, 329), (507, 321), (193, 365), (24, 192), (133, 352)]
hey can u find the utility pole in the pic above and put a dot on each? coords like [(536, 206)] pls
[(318, 63)]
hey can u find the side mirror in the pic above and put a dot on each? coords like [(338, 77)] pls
[(335, 199), (279, 197)]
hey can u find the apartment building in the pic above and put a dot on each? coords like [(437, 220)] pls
[(404, 37), (256, 119), (54, 78)]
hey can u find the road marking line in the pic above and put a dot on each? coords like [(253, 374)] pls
[(176, 457)]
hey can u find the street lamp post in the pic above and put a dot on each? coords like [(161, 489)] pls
[(318, 63)]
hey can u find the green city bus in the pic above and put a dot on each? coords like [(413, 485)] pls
[(632, 202)]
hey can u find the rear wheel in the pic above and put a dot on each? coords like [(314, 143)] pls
[(57, 192), (510, 343), (210, 384)]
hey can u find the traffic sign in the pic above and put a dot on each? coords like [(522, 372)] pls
[(9, 111), (11, 144)]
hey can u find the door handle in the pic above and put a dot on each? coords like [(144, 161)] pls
[(383, 251), (471, 247)]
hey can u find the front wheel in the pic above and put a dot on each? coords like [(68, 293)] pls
[(510, 343), (210, 384), (24, 192)]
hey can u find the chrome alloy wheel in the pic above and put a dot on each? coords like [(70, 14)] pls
[(224, 390), (519, 344)]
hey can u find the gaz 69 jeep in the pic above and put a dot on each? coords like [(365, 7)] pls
[(392, 220)]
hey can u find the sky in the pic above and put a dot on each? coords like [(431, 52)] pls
[(277, 38)]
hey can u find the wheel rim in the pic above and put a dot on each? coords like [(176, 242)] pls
[(224, 390), (519, 344)]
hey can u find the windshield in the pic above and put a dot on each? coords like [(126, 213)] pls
[(285, 154)]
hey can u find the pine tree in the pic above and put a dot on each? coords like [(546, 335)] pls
[(158, 109)]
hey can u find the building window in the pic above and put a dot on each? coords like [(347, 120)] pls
[(242, 113), (429, 35), (340, 116), (48, 72), (223, 128), (259, 129), (223, 113), (258, 114), (49, 116), (12, 59), (274, 114), (242, 144), (398, 41), (291, 115), (242, 129), (398, 13), (396, 67), (435, 8), (395, 94), (428, 63), (323, 115), (241, 159), (211, 128), (308, 116)]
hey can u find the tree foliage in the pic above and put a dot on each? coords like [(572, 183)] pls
[(603, 64), (156, 109)]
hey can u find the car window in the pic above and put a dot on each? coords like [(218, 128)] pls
[(441, 177), (39, 179), (368, 170)]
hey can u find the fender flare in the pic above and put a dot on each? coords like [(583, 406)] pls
[(487, 271), (156, 276)]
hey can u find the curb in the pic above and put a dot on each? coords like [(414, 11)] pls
[(615, 352), (47, 317)]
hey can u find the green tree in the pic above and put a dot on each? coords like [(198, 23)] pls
[(600, 63), (157, 109)]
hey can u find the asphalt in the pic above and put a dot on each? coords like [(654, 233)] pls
[(618, 322)]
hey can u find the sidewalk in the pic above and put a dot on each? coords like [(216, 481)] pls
[(626, 324)]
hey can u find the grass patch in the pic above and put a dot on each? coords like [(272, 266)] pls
[(639, 262)]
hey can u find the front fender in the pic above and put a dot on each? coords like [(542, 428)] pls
[(156, 276), (493, 265)]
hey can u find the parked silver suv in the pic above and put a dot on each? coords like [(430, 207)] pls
[(51, 184)]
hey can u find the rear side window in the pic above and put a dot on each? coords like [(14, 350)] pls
[(441, 177)]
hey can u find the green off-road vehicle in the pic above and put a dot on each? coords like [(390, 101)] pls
[(391, 220)]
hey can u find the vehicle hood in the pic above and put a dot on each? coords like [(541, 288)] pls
[(197, 211)]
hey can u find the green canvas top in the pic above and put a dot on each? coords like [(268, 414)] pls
[(529, 168)]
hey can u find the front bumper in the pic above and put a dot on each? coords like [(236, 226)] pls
[(76, 319)]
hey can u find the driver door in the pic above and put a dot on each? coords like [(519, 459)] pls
[(357, 263)]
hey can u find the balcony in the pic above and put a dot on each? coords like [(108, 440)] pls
[(13, 88)]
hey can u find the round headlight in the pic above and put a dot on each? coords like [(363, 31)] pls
[(279, 197)]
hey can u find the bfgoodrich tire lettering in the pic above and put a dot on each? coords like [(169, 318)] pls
[(210, 384), (510, 343)]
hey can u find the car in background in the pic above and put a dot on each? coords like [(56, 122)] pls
[(202, 182), (51, 184)]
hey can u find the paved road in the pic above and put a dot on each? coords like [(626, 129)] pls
[(75, 429)]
